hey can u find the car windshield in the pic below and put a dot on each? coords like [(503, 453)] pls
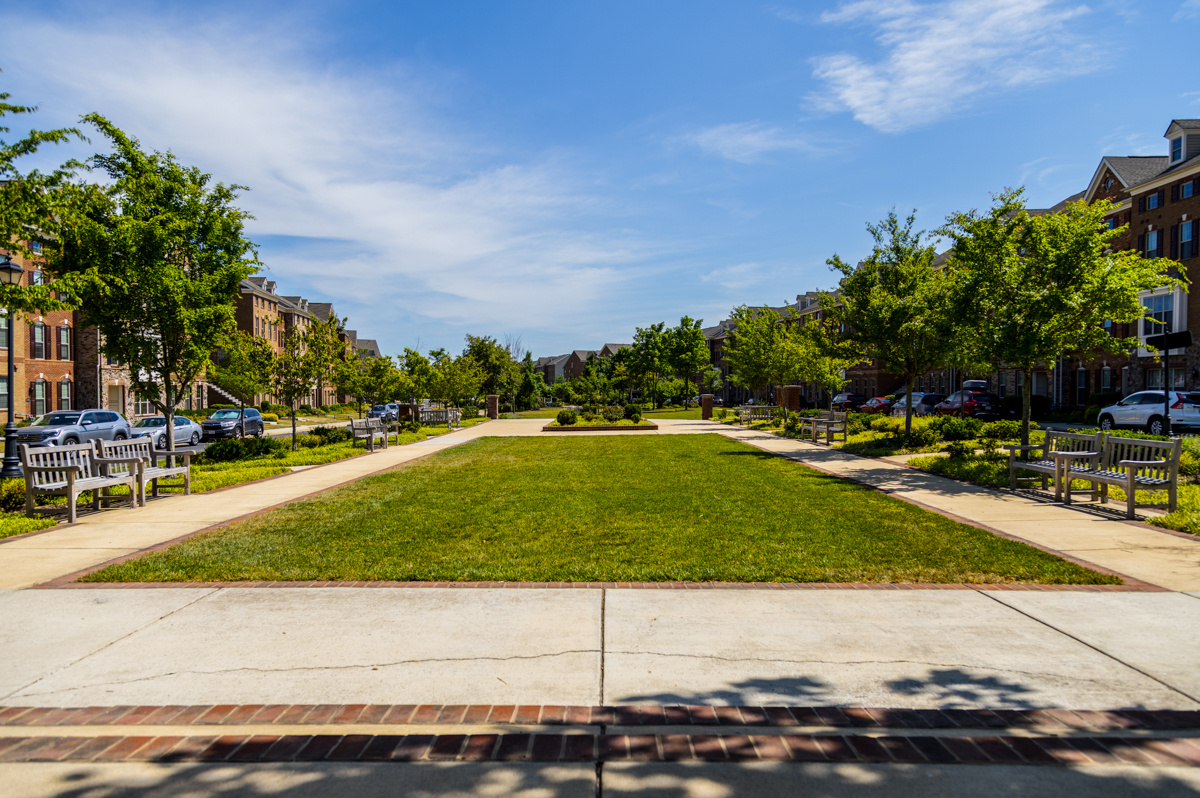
[(224, 414), (151, 422), (56, 420), (378, 407)]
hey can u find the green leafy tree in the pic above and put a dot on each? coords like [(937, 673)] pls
[(686, 351), (307, 357), (647, 359), (494, 360), (241, 366), (157, 256), (710, 380), (1036, 286), (350, 379), (823, 355), (762, 351), (895, 305), (456, 379), (419, 372)]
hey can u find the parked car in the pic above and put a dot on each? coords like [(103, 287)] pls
[(848, 401), (227, 424), (155, 427), (880, 405), (74, 426), (923, 404), (387, 412), (1144, 410), (973, 404)]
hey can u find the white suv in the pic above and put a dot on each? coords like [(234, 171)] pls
[(1144, 410)]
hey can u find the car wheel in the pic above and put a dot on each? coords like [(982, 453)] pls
[(161, 443), (237, 432), (1155, 425), (195, 438), (1106, 423), (258, 433), (70, 441), (120, 436)]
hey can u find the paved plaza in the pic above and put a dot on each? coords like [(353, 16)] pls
[(234, 680)]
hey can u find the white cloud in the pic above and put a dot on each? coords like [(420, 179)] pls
[(1190, 9), (1125, 141), (748, 142), (941, 56), (404, 214)]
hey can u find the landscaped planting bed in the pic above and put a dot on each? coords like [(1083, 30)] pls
[(607, 508)]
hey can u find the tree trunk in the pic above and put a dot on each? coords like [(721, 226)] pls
[(293, 425), (1026, 397), (169, 414), (908, 407)]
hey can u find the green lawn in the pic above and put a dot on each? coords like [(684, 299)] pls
[(670, 508)]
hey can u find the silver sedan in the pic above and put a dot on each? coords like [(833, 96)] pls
[(187, 432)]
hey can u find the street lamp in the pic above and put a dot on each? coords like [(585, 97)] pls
[(10, 274)]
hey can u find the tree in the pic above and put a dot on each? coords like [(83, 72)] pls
[(686, 351), (419, 372), (823, 355), (494, 360), (455, 379), (762, 351), (710, 380), (648, 359), (1036, 286), (157, 257), (895, 304), (307, 357), (241, 366)]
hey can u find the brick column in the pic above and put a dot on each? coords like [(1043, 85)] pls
[(791, 398), (493, 406), (706, 406)]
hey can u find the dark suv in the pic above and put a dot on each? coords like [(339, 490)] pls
[(228, 424), (973, 404), (848, 401)]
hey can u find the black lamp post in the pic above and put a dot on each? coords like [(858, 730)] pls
[(10, 274)]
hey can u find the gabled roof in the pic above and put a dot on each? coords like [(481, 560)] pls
[(611, 349), (583, 354), (321, 310), (369, 345), (1183, 124)]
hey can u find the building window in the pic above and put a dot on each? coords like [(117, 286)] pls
[(1108, 183), (4, 328), (64, 395), (1002, 384), (37, 341), (1154, 378), (1081, 391), (1188, 189), (35, 247), (1176, 148), (1106, 379), (4, 393), (143, 407), (1152, 201), (1187, 240), (36, 278), (1153, 244), (1160, 314), (1176, 379), (64, 343), (1108, 327), (37, 393)]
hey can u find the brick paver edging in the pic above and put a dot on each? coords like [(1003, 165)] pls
[(66, 582), (605, 748), (226, 715)]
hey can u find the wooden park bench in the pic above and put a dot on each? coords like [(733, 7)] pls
[(71, 470), (436, 416), (750, 413), (1130, 463), (156, 464), (831, 423), (369, 430), (1058, 450)]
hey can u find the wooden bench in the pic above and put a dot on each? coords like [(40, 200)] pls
[(435, 416), (174, 464), (1058, 450), (1131, 463), (74, 469), (369, 430), (749, 413), (828, 422)]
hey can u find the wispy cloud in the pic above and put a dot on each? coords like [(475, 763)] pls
[(941, 56), (386, 209), (1125, 141), (748, 142), (1189, 10)]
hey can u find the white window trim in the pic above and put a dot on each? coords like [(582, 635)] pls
[(1180, 321)]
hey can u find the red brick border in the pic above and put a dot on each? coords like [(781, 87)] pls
[(1004, 750), (650, 715)]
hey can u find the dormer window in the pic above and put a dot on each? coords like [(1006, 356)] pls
[(1176, 148)]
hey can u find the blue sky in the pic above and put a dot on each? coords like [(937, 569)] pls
[(568, 171)]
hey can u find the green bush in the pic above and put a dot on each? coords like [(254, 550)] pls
[(959, 429), (791, 423), (232, 449), (310, 441), (612, 414), (631, 411), (721, 413), (270, 418), (919, 438), (12, 495), (332, 434), (1004, 430), (566, 418), (636, 418), (960, 449)]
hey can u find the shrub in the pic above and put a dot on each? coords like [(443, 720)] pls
[(959, 449), (791, 422), (636, 418), (232, 449), (631, 411), (612, 414), (1004, 430), (469, 411), (332, 434), (310, 441), (12, 495), (959, 429), (566, 418), (721, 413), (919, 438), (271, 417)]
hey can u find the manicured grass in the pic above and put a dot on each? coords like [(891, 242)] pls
[(13, 524), (691, 414), (664, 508)]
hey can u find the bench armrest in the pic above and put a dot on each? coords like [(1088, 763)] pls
[(1143, 462), (1073, 455), (165, 453), (98, 459)]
